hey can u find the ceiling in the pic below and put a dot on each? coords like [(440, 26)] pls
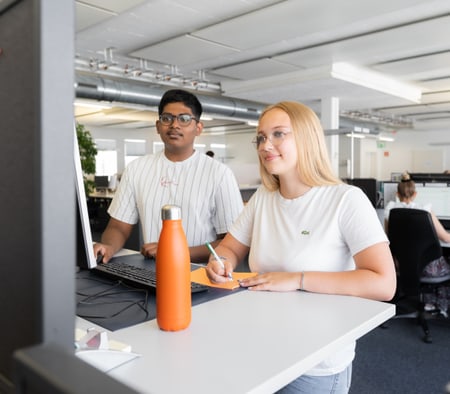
[(388, 61)]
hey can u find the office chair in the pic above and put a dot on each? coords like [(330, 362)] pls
[(414, 243)]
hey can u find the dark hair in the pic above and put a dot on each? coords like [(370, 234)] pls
[(406, 188), (181, 96), (210, 153)]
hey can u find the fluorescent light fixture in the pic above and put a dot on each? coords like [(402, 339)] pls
[(217, 129), (253, 123), (355, 135), (203, 117), (93, 104), (219, 146), (388, 139), (375, 80), (199, 145)]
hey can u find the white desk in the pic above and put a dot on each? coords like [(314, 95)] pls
[(246, 342)]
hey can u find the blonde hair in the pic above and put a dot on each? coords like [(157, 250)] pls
[(313, 164), (406, 188)]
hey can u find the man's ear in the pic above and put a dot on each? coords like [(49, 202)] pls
[(199, 128), (157, 124)]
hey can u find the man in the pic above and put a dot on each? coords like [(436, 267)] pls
[(205, 189)]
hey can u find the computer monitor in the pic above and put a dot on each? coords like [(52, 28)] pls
[(101, 182), (368, 186), (85, 252), (436, 194), (389, 192), (430, 177)]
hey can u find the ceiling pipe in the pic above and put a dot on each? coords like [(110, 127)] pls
[(103, 89), (94, 87)]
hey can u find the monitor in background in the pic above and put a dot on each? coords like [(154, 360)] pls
[(85, 253), (368, 186), (396, 176), (112, 182), (436, 194), (101, 182), (389, 192), (433, 177)]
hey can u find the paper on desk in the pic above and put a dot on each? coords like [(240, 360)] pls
[(104, 359), (199, 276)]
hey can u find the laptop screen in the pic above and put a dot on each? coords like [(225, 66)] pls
[(85, 251)]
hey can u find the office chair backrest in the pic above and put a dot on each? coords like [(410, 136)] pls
[(414, 243)]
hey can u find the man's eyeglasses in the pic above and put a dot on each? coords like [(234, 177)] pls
[(183, 119), (275, 138)]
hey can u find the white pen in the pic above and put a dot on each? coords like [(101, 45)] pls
[(216, 256)]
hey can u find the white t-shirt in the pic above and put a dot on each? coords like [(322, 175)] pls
[(319, 231), (205, 189)]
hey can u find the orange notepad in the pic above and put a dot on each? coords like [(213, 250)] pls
[(199, 276)]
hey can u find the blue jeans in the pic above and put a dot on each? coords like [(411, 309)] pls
[(332, 384)]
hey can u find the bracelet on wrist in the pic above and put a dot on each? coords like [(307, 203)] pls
[(302, 278)]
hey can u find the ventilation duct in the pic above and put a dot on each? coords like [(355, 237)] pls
[(99, 88), (96, 87)]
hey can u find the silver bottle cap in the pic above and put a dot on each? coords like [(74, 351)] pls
[(171, 212)]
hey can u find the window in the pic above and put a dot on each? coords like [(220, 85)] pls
[(106, 159), (133, 150)]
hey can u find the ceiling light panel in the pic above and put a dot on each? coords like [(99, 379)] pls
[(91, 12), (405, 41), (256, 69), (414, 110), (183, 50), (418, 65), (436, 97), (280, 22), (116, 6), (87, 16), (354, 86), (437, 83)]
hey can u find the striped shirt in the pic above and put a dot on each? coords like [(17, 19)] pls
[(205, 189)]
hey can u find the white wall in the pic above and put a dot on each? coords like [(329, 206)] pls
[(412, 150)]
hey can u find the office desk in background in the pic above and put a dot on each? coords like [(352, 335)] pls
[(245, 342)]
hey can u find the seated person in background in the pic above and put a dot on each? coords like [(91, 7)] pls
[(307, 230), (406, 193), (205, 189)]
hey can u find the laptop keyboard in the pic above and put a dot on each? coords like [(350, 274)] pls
[(140, 275)]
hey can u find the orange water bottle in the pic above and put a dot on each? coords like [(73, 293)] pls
[(173, 280)]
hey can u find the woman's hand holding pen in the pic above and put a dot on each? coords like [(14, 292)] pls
[(219, 271)]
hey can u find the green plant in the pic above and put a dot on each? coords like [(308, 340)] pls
[(88, 151)]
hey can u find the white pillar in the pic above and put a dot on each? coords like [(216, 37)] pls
[(330, 120)]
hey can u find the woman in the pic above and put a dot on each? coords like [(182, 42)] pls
[(406, 193), (306, 230)]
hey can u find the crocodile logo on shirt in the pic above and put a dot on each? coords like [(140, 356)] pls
[(304, 232)]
